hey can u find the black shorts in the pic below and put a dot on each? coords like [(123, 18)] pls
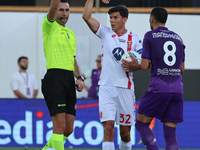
[(58, 88)]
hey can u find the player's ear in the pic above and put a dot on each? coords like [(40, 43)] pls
[(125, 19), (151, 19)]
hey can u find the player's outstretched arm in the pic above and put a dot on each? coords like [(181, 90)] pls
[(91, 22), (53, 9)]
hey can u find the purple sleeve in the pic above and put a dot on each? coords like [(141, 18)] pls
[(146, 47), (183, 60)]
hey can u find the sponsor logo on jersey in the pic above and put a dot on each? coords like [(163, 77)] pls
[(117, 53), (122, 40), (61, 105), (163, 71), (168, 71)]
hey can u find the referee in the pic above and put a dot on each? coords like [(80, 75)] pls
[(58, 85)]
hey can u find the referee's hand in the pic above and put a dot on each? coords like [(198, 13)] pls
[(79, 86)]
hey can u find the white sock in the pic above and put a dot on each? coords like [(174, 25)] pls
[(108, 146), (125, 145)]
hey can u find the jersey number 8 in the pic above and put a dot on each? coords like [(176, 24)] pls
[(169, 53)]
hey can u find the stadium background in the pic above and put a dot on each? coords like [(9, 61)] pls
[(21, 35)]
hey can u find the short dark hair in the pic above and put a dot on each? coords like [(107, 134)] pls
[(63, 1), (121, 9), (22, 57), (160, 14)]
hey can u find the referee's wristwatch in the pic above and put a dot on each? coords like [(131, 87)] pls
[(80, 77)]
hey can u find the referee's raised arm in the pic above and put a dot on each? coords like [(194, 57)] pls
[(53, 9)]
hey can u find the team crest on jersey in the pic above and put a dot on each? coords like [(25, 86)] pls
[(117, 53), (129, 43)]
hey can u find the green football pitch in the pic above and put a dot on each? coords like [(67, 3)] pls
[(29, 148)]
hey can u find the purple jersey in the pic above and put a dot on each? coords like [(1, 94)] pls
[(165, 50), (94, 89)]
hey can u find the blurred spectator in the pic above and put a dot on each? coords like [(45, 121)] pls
[(22, 83), (94, 76)]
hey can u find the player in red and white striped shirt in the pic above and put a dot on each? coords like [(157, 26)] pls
[(116, 92)]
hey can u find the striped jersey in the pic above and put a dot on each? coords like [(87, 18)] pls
[(113, 47)]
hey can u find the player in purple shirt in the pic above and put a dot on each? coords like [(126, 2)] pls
[(163, 50)]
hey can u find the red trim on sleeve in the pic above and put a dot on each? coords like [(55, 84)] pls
[(97, 29)]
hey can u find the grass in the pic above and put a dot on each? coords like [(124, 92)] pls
[(34, 148), (29, 148)]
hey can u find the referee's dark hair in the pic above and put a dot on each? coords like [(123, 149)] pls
[(22, 57), (160, 14), (121, 9)]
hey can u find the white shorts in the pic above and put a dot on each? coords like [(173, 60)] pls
[(117, 102)]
